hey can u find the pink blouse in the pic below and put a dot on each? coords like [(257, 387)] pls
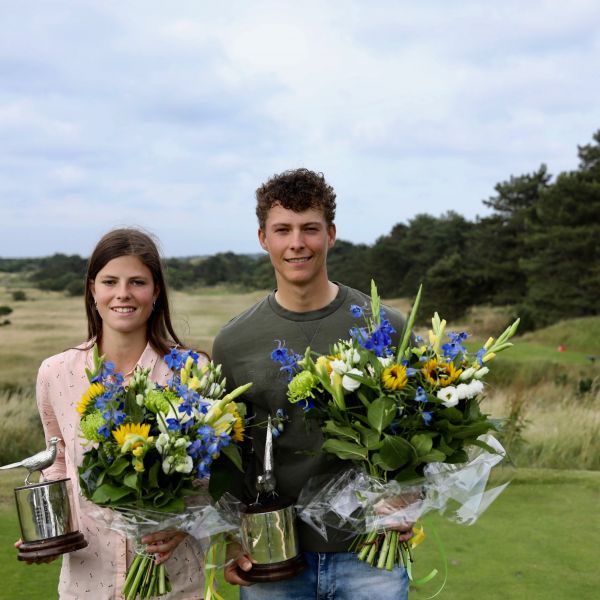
[(97, 572)]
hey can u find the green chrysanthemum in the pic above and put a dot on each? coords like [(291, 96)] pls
[(90, 425), (301, 386), (158, 400)]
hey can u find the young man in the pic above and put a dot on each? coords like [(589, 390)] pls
[(295, 211)]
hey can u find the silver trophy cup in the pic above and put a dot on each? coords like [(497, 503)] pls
[(48, 525), (269, 533)]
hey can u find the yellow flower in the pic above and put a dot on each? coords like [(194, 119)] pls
[(419, 536), (238, 426), (440, 373), (324, 365), (131, 434), (95, 390), (138, 465), (394, 377)]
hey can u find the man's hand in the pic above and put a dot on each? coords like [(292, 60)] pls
[(394, 505), (235, 559), (162, 544), (37, 561)]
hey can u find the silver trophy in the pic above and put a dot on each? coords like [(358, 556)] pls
[(269, 533), (48, 525)]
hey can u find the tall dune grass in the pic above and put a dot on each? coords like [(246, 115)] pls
[(21, 432), (549, 426)]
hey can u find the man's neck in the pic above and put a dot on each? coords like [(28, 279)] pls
[(302, 299)]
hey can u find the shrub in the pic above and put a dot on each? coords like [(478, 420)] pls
[(5, 310), (19, 296)]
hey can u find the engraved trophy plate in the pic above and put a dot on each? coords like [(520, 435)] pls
[(47, 523), (269, 533)]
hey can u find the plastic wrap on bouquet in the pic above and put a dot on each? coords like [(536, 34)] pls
[(357, 503), (202, 520)]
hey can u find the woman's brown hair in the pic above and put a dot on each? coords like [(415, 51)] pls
[(132, 242)]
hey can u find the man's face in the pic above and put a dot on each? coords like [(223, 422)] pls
[(297, 244)]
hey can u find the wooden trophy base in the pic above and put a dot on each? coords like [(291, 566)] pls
[(32, 551), (274, 572)]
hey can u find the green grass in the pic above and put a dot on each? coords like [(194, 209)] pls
[(538, 540)]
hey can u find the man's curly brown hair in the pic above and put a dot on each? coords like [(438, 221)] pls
[(297, 190)]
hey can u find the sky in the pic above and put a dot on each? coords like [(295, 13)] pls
[(169, 115)]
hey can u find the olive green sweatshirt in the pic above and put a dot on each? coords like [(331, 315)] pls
[(244, 347)]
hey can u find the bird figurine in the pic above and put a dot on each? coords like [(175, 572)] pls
[(37, 462)]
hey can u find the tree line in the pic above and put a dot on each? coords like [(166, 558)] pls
[(538, 251)]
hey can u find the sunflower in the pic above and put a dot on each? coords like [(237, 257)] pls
[(138, 430), (440, 373), (238, 425), (394, 377), (95, 390)]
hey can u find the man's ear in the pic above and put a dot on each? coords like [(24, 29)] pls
[(262, 240), (331, 233)]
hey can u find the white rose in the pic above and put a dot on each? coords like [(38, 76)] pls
[(184, 466), (463, 391), (338, 366), (448, 396), (349, 383)]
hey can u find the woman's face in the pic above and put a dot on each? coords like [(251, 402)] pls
[(124, 293)]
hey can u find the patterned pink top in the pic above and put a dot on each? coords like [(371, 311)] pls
[(98, 571)]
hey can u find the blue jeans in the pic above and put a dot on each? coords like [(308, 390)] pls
[(334, 576)]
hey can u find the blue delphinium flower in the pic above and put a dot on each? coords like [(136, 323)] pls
[(356, 310), (454, 347), (420, 395), (480, 354), (379, 341), (426, 417), (174, 359), (287, 358)]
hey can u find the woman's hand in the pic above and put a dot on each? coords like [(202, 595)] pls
[(162, 544), (235, 559), (37, 561)]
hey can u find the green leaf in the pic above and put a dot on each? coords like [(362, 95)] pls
[(232, 452), (483, 445), (153, 474), (368, 437), (380, 463), (108, 493), (452, 414), (118, 466), (131, 480), (341, 431), (422, 443), (460, 456), (396, 452), (381, 413), (433, 456), (345, 450)]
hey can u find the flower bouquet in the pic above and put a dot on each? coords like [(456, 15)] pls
[(406, 418), (150, 445)]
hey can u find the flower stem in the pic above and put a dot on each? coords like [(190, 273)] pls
[(391, 557), (381, 563)]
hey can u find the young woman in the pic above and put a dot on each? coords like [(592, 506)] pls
[(128, 317)]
